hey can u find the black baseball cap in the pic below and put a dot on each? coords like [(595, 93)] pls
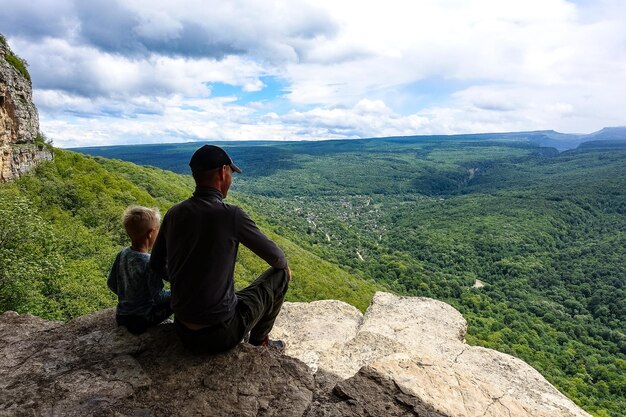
[(210, 157)]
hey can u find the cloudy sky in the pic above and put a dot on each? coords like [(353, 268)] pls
[(139, 71)]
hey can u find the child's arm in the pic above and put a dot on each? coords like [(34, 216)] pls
[(112, 279)]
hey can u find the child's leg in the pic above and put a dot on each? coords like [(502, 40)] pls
[(134, 324), (162, 310)]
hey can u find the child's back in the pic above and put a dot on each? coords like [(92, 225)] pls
[(142, 302)]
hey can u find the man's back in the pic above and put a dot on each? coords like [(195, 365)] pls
[(200, 237)]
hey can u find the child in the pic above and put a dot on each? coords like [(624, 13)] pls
[(142, 302)]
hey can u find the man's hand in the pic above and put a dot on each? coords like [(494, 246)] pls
[(288, 273)]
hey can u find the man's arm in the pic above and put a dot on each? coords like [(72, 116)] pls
[(155, 286), (251, 237)]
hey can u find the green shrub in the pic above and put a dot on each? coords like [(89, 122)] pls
[(18, 63), (43, 142)]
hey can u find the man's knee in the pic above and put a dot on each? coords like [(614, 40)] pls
[(272, 283), (280, 281)]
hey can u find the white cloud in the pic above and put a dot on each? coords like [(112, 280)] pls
[(176, 119), (59, 65), (182, 119), (478, 40), (121, 72)]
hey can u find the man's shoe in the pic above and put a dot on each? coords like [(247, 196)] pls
[(279, 345)]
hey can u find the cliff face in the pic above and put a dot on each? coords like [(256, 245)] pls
[(404, 357), (19, 121)]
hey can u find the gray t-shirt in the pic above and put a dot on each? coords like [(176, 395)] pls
[(138, 288)]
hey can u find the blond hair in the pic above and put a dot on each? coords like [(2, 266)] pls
[(139, 220)]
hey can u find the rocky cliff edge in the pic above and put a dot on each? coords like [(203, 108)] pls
[(406, 356)]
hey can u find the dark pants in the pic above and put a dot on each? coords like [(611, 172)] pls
[(139, 324), (257, 308)]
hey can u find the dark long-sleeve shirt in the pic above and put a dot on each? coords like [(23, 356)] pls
[(197, 244)]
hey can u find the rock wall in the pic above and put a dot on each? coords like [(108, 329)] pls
[(19, 159), (19, 122), (404, 357)]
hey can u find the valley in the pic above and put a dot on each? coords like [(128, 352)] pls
[(545, 231)]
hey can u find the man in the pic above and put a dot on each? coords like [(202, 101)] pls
[(198, 244)]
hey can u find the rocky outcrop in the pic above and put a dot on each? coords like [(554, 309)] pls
[(17, 160), (405, 356), (419, 345), (19, 121)]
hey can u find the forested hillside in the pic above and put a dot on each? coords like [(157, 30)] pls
[(60, 230), (529, 243)]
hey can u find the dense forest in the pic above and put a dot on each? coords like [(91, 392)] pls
[(528, 243)]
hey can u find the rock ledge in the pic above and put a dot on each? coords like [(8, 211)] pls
[(405, 356)]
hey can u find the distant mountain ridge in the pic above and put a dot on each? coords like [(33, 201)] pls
[(262, 158), (609, 137), (542, 138), (612, 133)]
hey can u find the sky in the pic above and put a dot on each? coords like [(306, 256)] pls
[(161, 71)]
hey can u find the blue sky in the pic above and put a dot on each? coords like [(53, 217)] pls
[(272, 89), (139, 71)]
